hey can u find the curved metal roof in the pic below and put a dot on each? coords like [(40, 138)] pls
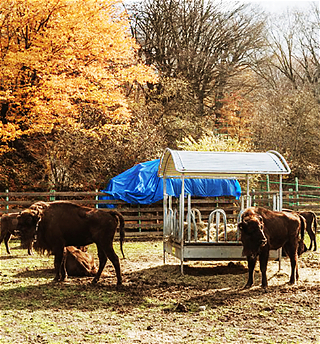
[(200, 164)]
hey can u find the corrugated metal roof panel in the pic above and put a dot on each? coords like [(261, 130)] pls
[(199, 164)]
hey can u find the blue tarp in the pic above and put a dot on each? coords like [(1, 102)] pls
[(141, 185)]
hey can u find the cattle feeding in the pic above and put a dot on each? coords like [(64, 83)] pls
[(8, 225), (56, 225), (263, 230)]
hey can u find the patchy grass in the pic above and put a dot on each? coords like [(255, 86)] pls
[(156, 304)]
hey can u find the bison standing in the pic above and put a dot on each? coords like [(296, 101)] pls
[(56, 225), (263, 230), (8, 226), (311, 221), (311, 226)]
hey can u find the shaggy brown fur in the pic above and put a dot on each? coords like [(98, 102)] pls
[(79, 262), (263, 230), (8, 225), (61, 223)]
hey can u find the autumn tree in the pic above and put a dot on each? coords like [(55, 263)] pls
[(63, 70), (203, 44)]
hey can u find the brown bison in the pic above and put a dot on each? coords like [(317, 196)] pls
[(311, 228), (56, 225), (79, 262), (263, 230), (8, 225)]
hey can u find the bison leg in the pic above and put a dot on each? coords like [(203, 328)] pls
[(312, 240), (115, 261), (293, 255), (263, 259), (6, 242), (58, 261), (63, 268), (251, 265), (102, 262), (30, 252)]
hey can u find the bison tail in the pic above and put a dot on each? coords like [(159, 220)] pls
[(121, 229), (314, 222), (122, 234), (302, 226)]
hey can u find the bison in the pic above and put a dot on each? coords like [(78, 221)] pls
[(311, 221), (79, 262), (56, 225), (263, 230), (8, 224)]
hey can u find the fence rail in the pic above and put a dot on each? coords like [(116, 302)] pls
[(149, 217), (266, 185)]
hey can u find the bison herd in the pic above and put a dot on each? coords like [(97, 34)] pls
[(64, 229), (52, 227)]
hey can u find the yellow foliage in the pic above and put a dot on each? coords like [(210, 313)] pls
[(57, 55), (215, 143)]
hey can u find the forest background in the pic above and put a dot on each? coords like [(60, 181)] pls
[(89, 88)]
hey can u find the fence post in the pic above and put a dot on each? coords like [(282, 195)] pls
[(52, 196), (268, 182), (7, 200), (291, 196), (97, 199), (297, 187), (139, 214), (268, 189), (274, 206)]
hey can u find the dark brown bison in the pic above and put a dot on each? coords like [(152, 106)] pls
[(56, 225), (311, 221), (8, 225), (79, 262), (263, 230)]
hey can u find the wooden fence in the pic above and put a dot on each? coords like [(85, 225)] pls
[(148, 218)]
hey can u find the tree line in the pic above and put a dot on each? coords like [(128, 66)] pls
[(90, 88)]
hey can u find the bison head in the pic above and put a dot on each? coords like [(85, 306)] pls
[(252, 235), (27, 223)]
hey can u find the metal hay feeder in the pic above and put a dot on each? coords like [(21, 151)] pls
[(215, 165)]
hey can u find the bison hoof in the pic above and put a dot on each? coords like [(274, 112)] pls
[(60, 279), (119, 286)]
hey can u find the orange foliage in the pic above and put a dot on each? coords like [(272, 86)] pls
[(235, 115), (59, 55)]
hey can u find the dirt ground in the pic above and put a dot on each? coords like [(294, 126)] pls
[(156, 304), (209, 304)]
